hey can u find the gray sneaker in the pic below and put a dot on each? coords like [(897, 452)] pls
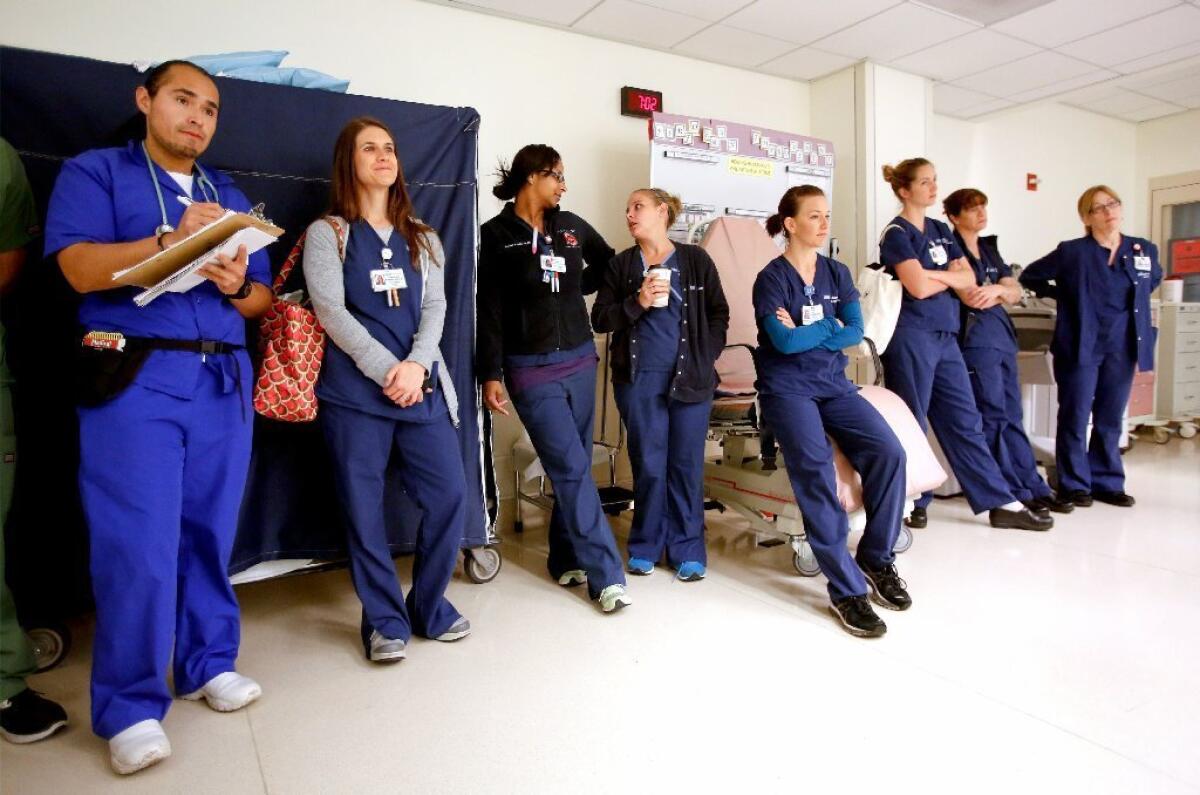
[(613, 598), (460, 630), (385, 650), (570, 579)]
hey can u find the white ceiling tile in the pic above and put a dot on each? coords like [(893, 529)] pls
[(1152, 112), (985, 12), (1173, 90), (807, 63), (898, 31), (1160, 58), (711, 10), (1092, 93), (1062, 86), (1032, 72), (1066, 20), (975, 111), (732, 46), (804, 21), (1185, 67), (622, 19), (974, 52), (1165, 30), (950, 99), (560, 12), (1192, 102), (1117, 103)]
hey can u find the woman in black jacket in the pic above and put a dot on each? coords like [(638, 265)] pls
[(536, 262), (664, 304)]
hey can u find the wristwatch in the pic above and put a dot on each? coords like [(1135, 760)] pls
[(243, 291)]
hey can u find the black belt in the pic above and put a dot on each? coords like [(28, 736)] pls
[(195, 346)]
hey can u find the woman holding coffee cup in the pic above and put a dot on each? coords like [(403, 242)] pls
[(666, 310)]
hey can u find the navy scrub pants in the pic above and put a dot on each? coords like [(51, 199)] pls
[(800, 425), (998, 396), (559, 417), (666, 451), (431, 472), (161, 479), (1101, 391), (926, 369)]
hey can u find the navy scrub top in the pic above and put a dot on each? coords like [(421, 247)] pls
[(658, 328), (902, 241)]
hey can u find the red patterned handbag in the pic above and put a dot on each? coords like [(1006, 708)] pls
[(292, 344)]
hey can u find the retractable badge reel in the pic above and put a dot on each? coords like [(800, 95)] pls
[(552, 266), (386, 279), (810, 313)]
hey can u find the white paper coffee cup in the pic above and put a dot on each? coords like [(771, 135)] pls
[(1172, 290), (662, 274)]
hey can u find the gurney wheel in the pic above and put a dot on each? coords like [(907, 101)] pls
[(805, 562), (1161, 435), (481, 565), (903, 540), (50, 645), (1187, 429)]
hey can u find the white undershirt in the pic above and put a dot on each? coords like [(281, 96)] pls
[(184, 180)]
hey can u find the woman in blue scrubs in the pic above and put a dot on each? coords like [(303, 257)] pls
[(667, 334), (536, 263), (923, 362), (384, 391), (989, 347), (1102, 283), (807, 312)]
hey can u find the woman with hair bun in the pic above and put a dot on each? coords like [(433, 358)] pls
[(923, 362), (807, 311), (536, 263), (666, 310)]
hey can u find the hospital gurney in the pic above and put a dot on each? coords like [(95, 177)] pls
[(741, 479)]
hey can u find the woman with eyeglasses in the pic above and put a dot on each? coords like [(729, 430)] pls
[(536, 263), (1102, 284)]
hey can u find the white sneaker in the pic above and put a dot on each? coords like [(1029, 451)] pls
[(227, 692), (572, 578), (613, 598), (460, 630), (141, 745)]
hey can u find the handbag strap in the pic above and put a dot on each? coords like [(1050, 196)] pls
[(339, 231)]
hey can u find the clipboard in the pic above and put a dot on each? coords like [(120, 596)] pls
[(174, 268)]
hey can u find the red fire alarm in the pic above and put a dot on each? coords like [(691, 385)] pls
[(1031, 181)]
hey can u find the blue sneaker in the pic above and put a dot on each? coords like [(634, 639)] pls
[(640, 566), (691, 571)]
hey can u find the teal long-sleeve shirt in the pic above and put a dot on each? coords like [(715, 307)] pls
[(827, 334)]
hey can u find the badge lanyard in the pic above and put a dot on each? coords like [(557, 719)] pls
[(551, 276), (201, 181)]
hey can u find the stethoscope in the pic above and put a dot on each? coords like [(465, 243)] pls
[(202, 180)]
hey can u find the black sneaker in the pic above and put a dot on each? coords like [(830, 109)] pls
[(1056, 504), (1019, 520), (27, 718), (858, 618), (1118, 498), (887, 589), (1078, 498), (917, 519), (1035, 506)]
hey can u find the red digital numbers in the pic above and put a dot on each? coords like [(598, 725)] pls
[(640, 102)]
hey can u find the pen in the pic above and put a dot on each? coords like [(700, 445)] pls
[(184, 200)]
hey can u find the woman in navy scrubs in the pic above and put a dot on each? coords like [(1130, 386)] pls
[(1102, 283), (923, 362), (536, 263), (383, 388), (667, 334), (989, 346), (807, 312)]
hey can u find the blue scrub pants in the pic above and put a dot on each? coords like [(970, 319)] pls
[(998, 396), (560, 417), (926, 369), (800, 425), (666, 451), (431, 472), (1100, 390), (161, 480)]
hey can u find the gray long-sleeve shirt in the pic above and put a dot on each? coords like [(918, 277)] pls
[(323, 272)]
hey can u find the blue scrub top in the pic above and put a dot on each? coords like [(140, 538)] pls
[(394, 327), (106, 196), (991, 328), (812, 373), (657, 331), (902, 241), (1112, 291)]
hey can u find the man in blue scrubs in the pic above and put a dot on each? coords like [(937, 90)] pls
[(163, 461)]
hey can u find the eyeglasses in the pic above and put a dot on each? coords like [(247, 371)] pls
[(1107, 207), (558, 175)]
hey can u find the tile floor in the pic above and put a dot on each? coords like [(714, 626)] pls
[(1061, 662)]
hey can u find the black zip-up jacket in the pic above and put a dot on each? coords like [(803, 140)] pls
[(517, 312), (705, 319)]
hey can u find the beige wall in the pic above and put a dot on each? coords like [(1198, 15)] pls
[(1165, 147)]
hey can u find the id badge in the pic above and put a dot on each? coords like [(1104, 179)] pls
[(1141, 263), (811, 314), (938, 254), (553, 264), (384, 279)]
